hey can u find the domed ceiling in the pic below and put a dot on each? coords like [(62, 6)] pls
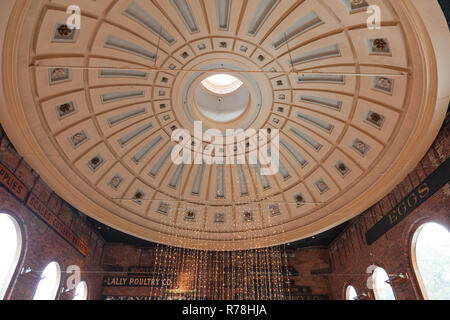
[(93, 111)]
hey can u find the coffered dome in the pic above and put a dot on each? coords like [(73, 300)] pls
[(93, 110)]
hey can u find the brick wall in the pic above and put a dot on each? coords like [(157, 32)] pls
[(313, 265), (326, 270), (41, 244), (116, 260), (307, 261), (350, 255)]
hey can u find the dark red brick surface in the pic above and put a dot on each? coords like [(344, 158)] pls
[(347, 257), (349, 254), (41, 244)]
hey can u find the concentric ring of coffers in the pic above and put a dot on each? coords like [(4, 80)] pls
[(98, 106)]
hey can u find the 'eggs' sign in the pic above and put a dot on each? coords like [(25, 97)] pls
[(414, 199)]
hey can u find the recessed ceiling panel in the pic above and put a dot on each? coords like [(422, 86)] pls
[(93, 111)]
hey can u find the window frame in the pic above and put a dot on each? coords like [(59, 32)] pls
[(57, 283), (346, 291), (86, 292), (5, 290), (413, 257), (374, 287)]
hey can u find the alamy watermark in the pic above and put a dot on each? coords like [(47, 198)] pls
[(374, 21), (74, 20), (210, 148), (232, 150)]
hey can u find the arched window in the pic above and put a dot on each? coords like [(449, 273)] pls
[(350, 293), (49, 283), (382, 289), (430, 253), (81, 291), (10, 249)]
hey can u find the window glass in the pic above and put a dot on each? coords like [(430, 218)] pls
[(10, 248), (432, 257), (81, 291), (222, 83), (350, 293), (382, 289), (49, 282)]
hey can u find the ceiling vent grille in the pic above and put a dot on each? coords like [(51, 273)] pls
[(146, 149), (160, 163), (116, 96), (265, 8), (223, 13), (283, 171), (220, 182), (324, 78), (316, 121), (133, 134), (329, 103), (321, 53), (198, 180), (308, 22), (263, 179), (113, 73), (294, 153), (184, 10), (176, 176), (243, 188), (125, 116), (313, 143), (117, 43), (138, 14)]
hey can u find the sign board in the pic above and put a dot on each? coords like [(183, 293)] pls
[(299, 290), (414, 199), (21, 192), (129, 281), (12, 184), (45, 214)]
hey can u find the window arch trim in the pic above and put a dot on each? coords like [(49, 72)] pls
[(346, 291), (57, 284), (86, 289), (414, 234), (374, 286), (5, 290)]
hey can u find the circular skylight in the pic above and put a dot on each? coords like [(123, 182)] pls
[(222, 83), (223, 108)]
